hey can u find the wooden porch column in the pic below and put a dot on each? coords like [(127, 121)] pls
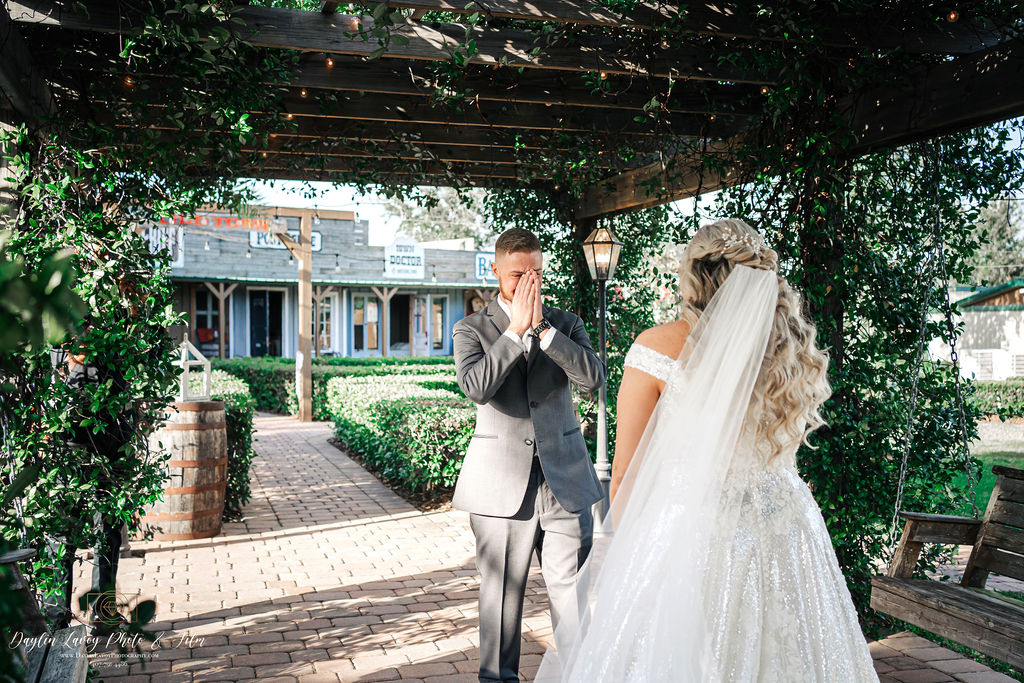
[(222, 293), (385, 295)]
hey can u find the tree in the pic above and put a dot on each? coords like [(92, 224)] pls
[(1000, 232), (440, 213)]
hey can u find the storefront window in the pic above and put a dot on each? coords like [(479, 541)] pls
[(365, 323), (207, 317), (323, 324)]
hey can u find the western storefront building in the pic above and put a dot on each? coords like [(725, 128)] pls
[(238, 282)]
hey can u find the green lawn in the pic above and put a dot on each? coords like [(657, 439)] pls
[(988, 480)]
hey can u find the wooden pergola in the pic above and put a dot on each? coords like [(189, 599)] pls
[(530, 100)]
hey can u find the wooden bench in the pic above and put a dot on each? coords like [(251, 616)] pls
[(61, 657), (966, 613)]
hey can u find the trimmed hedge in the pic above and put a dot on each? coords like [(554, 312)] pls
[(239, 410), (272, 379), (412, 429), (1005, 398)]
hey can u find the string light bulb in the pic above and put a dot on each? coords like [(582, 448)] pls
[(129, 81), (248, 253), (604, 75), (330, 62), (711, 118), (206, 247), (764, 89), (289, 116), (264, 154), (664, 44), (952, 16), (302, 92)]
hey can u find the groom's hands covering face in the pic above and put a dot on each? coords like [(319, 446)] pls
[(538, 311), (524, 301)]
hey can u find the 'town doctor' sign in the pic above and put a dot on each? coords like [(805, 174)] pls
[(403, 258)]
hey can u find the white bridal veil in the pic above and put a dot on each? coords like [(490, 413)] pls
[(650, 581)]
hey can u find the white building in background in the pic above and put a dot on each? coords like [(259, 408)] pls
[(991, 346)]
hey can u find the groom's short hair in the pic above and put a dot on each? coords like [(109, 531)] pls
[(516, 239)]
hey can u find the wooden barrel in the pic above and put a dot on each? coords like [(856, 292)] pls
[(195, 434)]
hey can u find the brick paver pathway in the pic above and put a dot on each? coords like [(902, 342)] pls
[(331, 577)]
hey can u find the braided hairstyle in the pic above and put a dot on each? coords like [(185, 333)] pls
[(793, 379)]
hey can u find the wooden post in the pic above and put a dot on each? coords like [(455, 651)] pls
[(385, 295), (222, 293), (304, 357)]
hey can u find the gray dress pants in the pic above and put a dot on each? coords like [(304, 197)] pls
[(504, 546)]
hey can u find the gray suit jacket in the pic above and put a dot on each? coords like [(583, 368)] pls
[(523, 402)]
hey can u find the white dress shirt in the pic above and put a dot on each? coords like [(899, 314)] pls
[(526, 339)]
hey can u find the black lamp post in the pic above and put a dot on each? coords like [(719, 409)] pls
[(601, 249)]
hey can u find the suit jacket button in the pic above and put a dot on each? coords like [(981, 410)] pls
[(529, 442), (534, 404)]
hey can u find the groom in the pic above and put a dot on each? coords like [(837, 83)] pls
[(527, 479)]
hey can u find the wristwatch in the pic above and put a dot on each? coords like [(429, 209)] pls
[(541, 326)]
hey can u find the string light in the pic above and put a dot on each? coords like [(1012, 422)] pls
[(264, 154), (664, 45), (711, 118), (206, 247), (953, 16), (289, 116), (603, 75), (248, 253), (129, 81), (764, 89), (302, 92), (330, 62)]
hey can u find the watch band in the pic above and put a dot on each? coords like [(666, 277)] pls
[(541, 326)]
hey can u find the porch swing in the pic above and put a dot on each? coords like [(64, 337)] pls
[(963, 612)]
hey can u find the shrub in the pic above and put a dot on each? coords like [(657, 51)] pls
[(413, 435), (272, 379), (239, 410), (1004, 399)]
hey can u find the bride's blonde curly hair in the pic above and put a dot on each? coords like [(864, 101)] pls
[(793, 380)]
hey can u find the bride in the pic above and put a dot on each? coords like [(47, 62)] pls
[(720, 567)]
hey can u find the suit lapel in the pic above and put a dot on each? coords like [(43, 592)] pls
[(500, 322), (497, 316)]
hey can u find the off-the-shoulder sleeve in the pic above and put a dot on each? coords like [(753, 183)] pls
[(648, 360)]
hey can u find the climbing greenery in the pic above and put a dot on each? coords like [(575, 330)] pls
[(76, 412)]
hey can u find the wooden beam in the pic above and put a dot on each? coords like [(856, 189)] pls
[(951, 96), (289, 243), (337, 34), (350, 74), (20, 80), (679, 176), (729, 20), (310, 120)]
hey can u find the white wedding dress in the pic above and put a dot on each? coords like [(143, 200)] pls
[(720, 567)]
